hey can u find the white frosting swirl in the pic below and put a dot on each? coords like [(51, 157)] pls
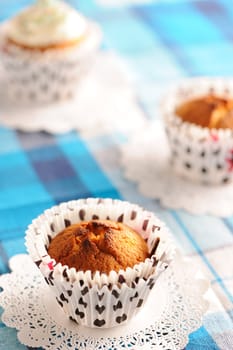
[(46, 23)]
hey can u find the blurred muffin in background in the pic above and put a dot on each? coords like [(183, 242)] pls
[(46, 50), (208, 111), (198, 118)]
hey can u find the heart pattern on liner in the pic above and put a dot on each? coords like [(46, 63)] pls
[(121, 319), (100, 309), (99, 323)]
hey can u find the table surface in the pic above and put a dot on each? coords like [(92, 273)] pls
[(159, 42)]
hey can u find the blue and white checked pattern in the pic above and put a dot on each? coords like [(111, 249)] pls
[(160, 42)]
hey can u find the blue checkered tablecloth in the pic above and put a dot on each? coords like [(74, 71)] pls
[(160, 41)]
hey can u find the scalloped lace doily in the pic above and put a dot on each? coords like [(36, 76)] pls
[(104, 102), (164, 323), (145, 159)]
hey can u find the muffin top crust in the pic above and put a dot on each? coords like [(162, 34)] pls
[(209, 111), (98, 245)]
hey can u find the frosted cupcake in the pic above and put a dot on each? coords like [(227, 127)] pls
[(46, 50), (100, 257), (198, 116)]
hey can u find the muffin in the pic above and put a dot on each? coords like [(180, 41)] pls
[(210, 111), (46, 50), (100, 257), (101, 245), (198, 117)]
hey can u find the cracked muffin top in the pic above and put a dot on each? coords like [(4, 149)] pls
[(98, 245)]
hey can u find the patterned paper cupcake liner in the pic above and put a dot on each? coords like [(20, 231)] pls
[(34, 76), (94, 299), (197, 153)]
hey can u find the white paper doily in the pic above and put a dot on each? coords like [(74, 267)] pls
[(104, 102), (164, 323), (145, 159)]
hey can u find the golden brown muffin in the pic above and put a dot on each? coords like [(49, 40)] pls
[(209, 111), (98, 245)]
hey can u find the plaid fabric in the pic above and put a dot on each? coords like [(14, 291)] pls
[(160, 42)]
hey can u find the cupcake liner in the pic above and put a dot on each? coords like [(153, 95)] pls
[(199, 154), (97, 299), (45, 76)]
